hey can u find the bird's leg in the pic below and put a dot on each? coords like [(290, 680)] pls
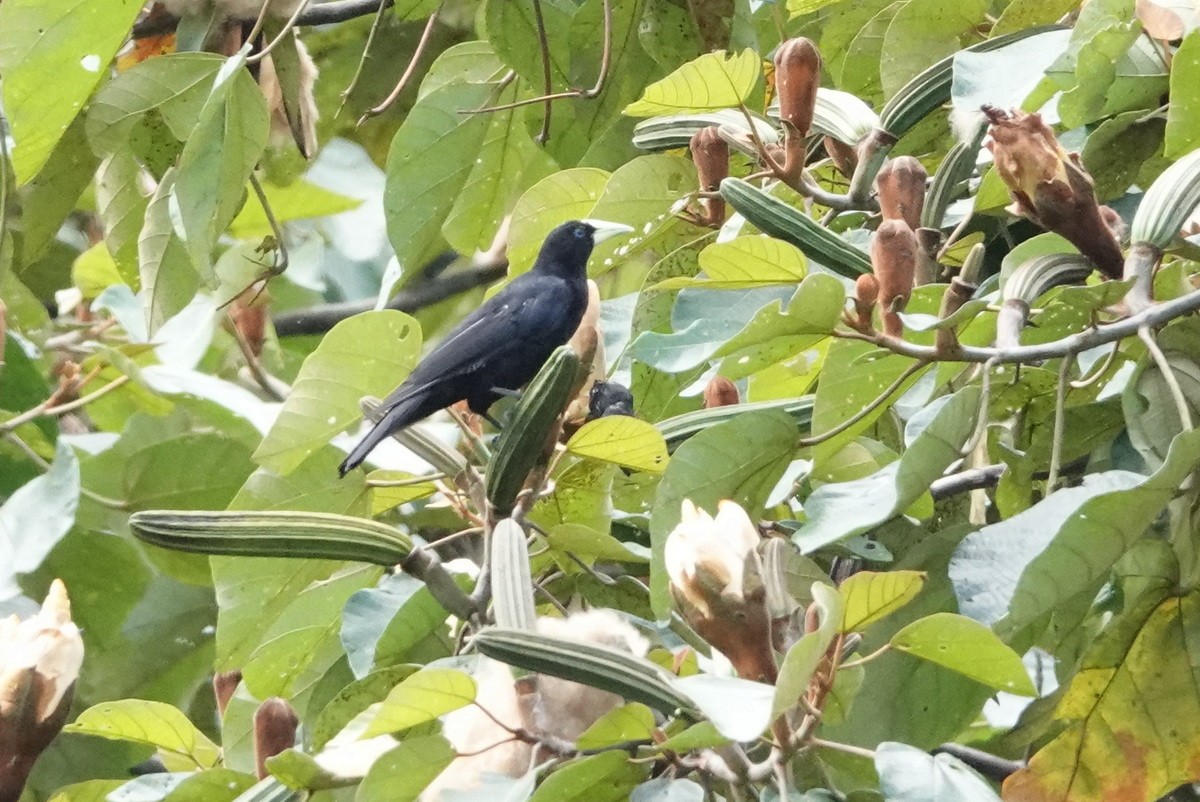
[(507, 393)]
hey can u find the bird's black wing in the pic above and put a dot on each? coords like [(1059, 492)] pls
[(495, 329)]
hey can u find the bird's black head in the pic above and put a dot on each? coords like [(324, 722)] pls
[(567, 248), (609, 398)]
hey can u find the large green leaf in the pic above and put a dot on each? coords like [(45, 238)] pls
[(53, 53), (168, 279), (420, 698), (922, 33), (837, 510), (565, 195), (430, 161), (908, 774), (968, 647), (201, 471), (713, 81), (402, 774), (368, 354), (1183, 115), (36, 516), (621, 440), (870, 596), (511, 28), (380, 625), (218, 159), (153, 724), (740, 459), (606, 777)]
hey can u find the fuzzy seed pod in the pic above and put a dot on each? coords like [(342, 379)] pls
[(843, 156), (224, 685), (720, 392), (797, 76), (901, 188), (710, 152), (1050, 186), (894, 260), (866, 295), (275, 724)]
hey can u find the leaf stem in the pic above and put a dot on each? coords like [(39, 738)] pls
[(422, 43), (899, 381), (840, 747), (1160, 359), (882, 650)]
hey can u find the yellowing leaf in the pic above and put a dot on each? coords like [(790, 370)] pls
[(870, 596), (420, 698), (964, 645), (745, 262), (713, 81), (622, 440), (151, 723), (390, 489)]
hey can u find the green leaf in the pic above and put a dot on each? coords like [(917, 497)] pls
[(151, 723), (168, 279), (565, 195), (922, 33), (801, 661), (422, 697), (713, 81), (606, 777), (430, 161), (403, 773), (589, 544), (1116, 150), (87, 791), (621, 440), (964, 645), (300, 770), (777, 335), (36, 516), (837, 510), (353, 700), (511, 28), (698, 736), (870, 596), (740, 459), (908, 774), (385, 497), (747, 261), (53, 193), (218, 159), (1021, 14), (368, 354), (72, 40), (738, 708), (299, 200), (1183, 115), (380, 625), (94, 271), (201, 471), (629, 722)]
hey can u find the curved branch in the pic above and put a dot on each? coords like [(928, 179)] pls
[(319, 14)]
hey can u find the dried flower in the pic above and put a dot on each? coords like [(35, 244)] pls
[(866, 295), (224, 685), (275, 724), (797, 77), (716, 580), (1050, 187), (40, 660), (710, 152), (901, 188), (720, 392)]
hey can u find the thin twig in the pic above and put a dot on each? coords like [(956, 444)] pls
[(261, 19), (867, 410), (416, 480), (1095, 375), (253, 363), (408, 72), (36, 458), (280, 265), (287, 29), (362, 61), (868, 658), (45, 410), (1060, 420), (840, 747), (1168, 374), (544, 136)]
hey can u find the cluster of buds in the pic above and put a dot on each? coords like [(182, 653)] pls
[(895, 250), (716, 581), (1051, 188), (40, 660)]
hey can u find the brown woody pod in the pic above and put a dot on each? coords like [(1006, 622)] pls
[(720, 392), (249, 314), (275, 724), (866, 295), (901, 188), (894, 260), (843, 156), (711, 154)]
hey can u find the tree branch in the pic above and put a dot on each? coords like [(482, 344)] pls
[(320, 319), (317, 14)]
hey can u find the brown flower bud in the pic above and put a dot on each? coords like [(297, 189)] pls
[(710, 152), (901, 188), (249, 315), (720, 392), (275, 724), (894, 260), (224, 685), (843, 156), (866, 295), (812, 618), (797, 76), (957, 294), (1050, 187)]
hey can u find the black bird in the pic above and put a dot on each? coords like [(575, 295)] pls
[(609, 398), (501, 345)]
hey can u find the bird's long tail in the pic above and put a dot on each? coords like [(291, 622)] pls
[(401, 415)]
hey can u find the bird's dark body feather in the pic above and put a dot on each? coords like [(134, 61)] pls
[(501, 345)]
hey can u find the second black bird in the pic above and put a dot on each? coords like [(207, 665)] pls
[(501, 345)]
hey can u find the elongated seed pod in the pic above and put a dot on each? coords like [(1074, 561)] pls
[(901, 188), (710, 152), (797, 77), (894, 260), (275, 724)]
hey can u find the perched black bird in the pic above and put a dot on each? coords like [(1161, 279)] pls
[(501, 345), (609, 398)]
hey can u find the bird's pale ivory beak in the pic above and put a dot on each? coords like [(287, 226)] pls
[(606, 230)]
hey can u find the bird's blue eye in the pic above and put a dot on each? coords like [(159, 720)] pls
[(580, 232)]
